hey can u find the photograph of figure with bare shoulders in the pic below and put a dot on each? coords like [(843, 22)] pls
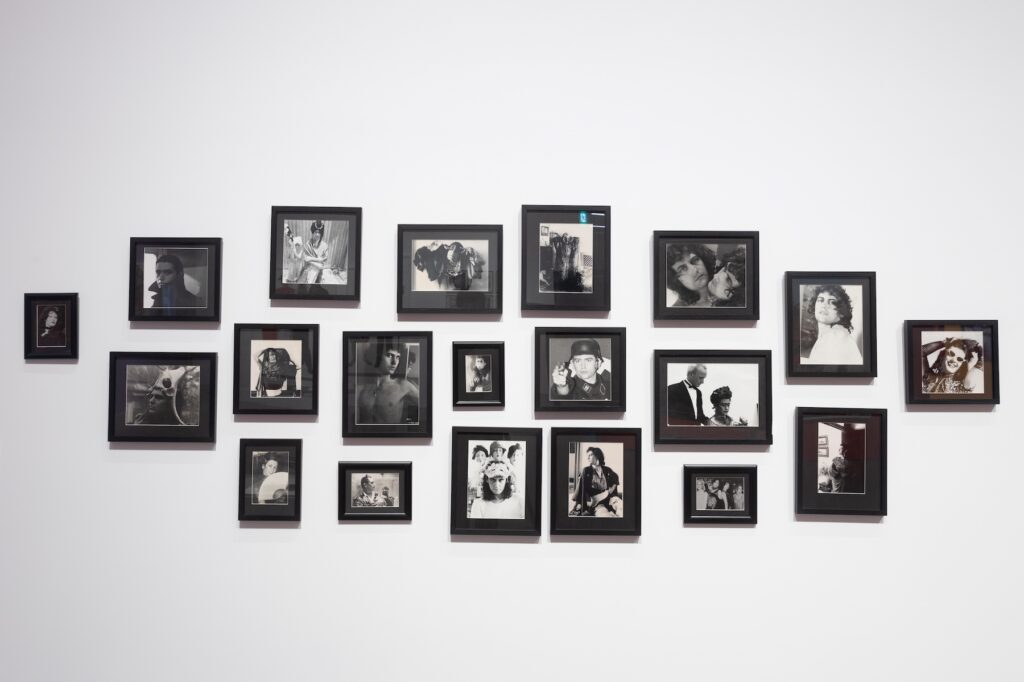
[(387, 382)]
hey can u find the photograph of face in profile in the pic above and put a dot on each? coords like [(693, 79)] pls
[(566, 258), (581, 369), (162, 394), (478, 374), (705, 275), (268, 483), (831, 324), (496, 480), (374, 489), (952, 362), (455, 265), (315, 252), (51, 325), (595, 480), (177, 277), (274, 372), (719, 493), (387, 382), (841, 450)]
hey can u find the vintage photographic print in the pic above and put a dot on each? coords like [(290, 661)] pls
[(175, 279), (51, 326), (566, 261), (374, 491), (387, 384), (580, 369), (841, 465), (449, 269), (952, 362), (478, 374), (595, 476), (315, 253), (706, 276), (169, 397), (495, 481), (269, 486), (708, 397), (276, 368), (831, 324), (720, 494)]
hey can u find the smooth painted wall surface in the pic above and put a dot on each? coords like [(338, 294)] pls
[(879, 136)]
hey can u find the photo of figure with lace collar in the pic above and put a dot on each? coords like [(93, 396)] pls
[(274, 370)]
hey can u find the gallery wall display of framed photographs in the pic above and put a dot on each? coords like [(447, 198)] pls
[(840, 461), (174, 279), (315, 253), (580, 369), (449, 269), (713, 397), (162, 397), (566, 258), (478, 374), (952, 362), (830, 324), (270, 479), (720, 495), (706, 276), (375, 491), (51, 326), (276, 368)]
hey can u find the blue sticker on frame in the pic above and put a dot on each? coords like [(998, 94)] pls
[(583, 216)]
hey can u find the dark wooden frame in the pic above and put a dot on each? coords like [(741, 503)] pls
[(355, 246), (541, 373), (752, 311), (405, 493), (749, 497), (246, 444), (459, 350), (451, 302), (912, 362), (310, 334), (136, 294), (69, 351)]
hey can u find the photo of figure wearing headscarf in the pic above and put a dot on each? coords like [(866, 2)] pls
[(275, 368), (315, 252)]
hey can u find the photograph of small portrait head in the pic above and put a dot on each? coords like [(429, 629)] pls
[(268, 481), (831, 324), (167, 395), (496, 480), (566, 256), (175, 277), (712, 394), (581, 368), (315, 252), (374, 489), (595, 480), (51, 325), (841, 453), (478, 373), (719, 493), (387, 382), (953, 362), (455, 265), (275, 371), (705, 275)]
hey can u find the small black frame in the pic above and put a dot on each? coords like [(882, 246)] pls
[(423, 275), (606, 394), (744, 475), (193, 292), (472, 386), (927, 383), (374, 504), (295, 272), (51, 326), (270, 497), (267, 359), (729, 289)]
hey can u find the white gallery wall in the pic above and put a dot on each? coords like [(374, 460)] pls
[(881, 136)]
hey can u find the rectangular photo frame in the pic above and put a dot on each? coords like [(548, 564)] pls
[(276, 369), (706, 275), (951, 362), (478, 374), (174, 279), (720, 495), (579, 369), (566, 258), (374, 491), (454, 269), (270, 479), (51, 326), (315, 253)]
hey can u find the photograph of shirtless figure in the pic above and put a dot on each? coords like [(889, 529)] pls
[(387, 384)]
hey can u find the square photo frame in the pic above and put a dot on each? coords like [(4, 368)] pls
[(375, 491), (315, 253), (478, 374), (449, 269), (496, 481), (841, 461), (270, 479), (566, 258), (720, 495), (162, 397), (706, 275), (595, 481), (276, 369), (51, 326), (579, 369), (951, 362), (174, 279)]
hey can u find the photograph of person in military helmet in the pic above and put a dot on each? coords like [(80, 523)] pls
[(583, 374), (582, 369)]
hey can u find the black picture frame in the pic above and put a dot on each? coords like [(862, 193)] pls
[(727, 375), (698, 482), (541, 288), (857, 484), (808, 356), (606, 394), (730, 262), (515, 454), (362, 370), (422, 275), (51, 326), (193, 291), (182, 387), (339, 246), (473, 386), (375, 504), (273, 496), (276, 369), (927, 382), (569, 447)]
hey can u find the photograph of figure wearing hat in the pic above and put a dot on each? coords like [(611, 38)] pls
[(582, 370), (496, 479)]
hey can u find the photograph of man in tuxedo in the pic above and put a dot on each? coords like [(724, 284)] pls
[(685, 401)]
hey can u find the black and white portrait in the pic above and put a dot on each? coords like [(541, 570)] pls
[(496, 479), (705, 275), (450, 265), (712, 394), (51, 325), (387, 382), (175, 278), (374, 489), (581, 368), (841, 450), (315, 252), (596, 485), (831, 324), (719, 493), (566, 258), (275, 368), (268, 479), (166, 395), (953, 362), (478, 373)]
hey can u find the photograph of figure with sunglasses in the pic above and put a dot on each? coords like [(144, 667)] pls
[(952, 364)]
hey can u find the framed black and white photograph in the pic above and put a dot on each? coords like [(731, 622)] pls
[(387, 384), (496, 481), (315, 253), (375, 491), (566, 258), (840, 461), (580, 369), (713, 397), (51, 326), (952, 362), (174, 279), (720, 494), (162, 397), (276, 368), (478, 374), (270, 479), (830, 324), (706, 276), (595, 481), (449, 269)]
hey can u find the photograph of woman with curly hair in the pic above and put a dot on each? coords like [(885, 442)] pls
[(831, 324), (705, 275), (494, 490), (952, 364), (50, 327)]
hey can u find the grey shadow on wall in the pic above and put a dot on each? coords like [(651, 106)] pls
[(294, 525)]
